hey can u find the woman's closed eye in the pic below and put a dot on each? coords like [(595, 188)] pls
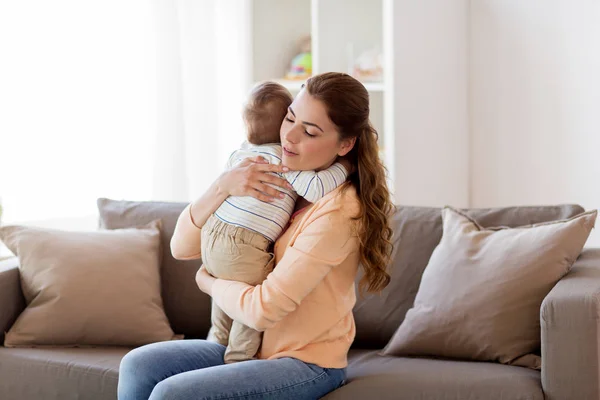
[(288, 119)]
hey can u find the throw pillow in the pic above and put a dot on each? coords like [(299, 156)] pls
[(417, 232), (186, 306), (481, 292), (88, 288)]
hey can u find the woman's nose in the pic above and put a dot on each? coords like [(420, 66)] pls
[(292, 134)]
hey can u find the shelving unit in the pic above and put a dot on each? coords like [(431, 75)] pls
[(340, 31), (296, 85)]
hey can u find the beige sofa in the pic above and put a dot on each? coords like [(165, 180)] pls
[(569, 324)]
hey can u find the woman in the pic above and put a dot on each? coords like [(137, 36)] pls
[(305, 305)]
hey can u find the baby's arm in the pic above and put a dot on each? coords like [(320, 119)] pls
[(234, 159), (266, 152), (313, 185)]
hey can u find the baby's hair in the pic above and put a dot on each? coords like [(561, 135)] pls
[(264, 112)]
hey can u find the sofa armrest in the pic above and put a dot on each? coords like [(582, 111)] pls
[(12, 302), (570, 328)]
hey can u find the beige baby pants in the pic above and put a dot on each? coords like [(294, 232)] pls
[(236, 254)]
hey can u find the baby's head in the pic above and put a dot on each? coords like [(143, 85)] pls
[(264, 112)]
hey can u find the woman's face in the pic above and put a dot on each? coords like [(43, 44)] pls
[(310, 140)]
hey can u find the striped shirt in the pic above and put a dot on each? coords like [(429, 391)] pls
[(270, 218)]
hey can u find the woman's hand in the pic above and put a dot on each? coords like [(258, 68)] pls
[(205, 281), (250, 178)]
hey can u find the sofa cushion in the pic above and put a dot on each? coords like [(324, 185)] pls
[(60, 374), (481, 293), (371, 375), (187, 308), (92, 373), (88, 288), (416, 233)]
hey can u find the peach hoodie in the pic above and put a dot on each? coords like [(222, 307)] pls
[(305, 305)]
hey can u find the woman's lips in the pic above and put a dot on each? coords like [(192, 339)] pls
[(288, 153)]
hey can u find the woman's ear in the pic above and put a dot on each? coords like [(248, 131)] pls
[(346, 146)]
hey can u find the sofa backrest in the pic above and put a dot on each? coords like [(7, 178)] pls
[(417, 231), (187, 308)]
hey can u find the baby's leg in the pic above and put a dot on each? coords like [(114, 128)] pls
[(237, 254), (221, 326), (244, 342), (218, 250)]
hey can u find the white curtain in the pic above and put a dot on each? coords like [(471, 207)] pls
[(126, 99), (204, 73)]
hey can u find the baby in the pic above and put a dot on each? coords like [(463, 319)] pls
[(237, 238)]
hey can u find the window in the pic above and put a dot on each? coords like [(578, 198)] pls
[(77, 104)]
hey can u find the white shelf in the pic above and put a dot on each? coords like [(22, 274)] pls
[(374, 86), (291, 85), (277, 27), (341, 31), (296, 85)]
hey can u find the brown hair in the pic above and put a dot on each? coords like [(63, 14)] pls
[(264, 112), (347, 103)]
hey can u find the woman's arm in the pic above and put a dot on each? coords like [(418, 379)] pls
[(326, 242), (249, 178)]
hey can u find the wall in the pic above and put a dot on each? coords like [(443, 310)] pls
[(534, 103), (429, 102)]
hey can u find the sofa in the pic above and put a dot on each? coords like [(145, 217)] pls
[(569, 319)]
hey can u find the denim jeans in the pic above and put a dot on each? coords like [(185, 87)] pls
[(194, 369)]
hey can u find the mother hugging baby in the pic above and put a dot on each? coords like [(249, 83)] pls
[(321, 195)]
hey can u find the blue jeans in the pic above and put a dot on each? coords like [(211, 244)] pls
[(194, 369)]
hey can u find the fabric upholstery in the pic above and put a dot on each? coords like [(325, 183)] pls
[(570, 361), (93, 374), (60, 373), (571, 332), (12, 302), (417, 231), (88, 288), (481, 292), (372, 376), (187, 308)]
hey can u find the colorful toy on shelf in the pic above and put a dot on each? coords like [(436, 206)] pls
[(301, 65)]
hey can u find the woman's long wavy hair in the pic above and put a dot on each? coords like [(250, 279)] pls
[(347, 102)]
